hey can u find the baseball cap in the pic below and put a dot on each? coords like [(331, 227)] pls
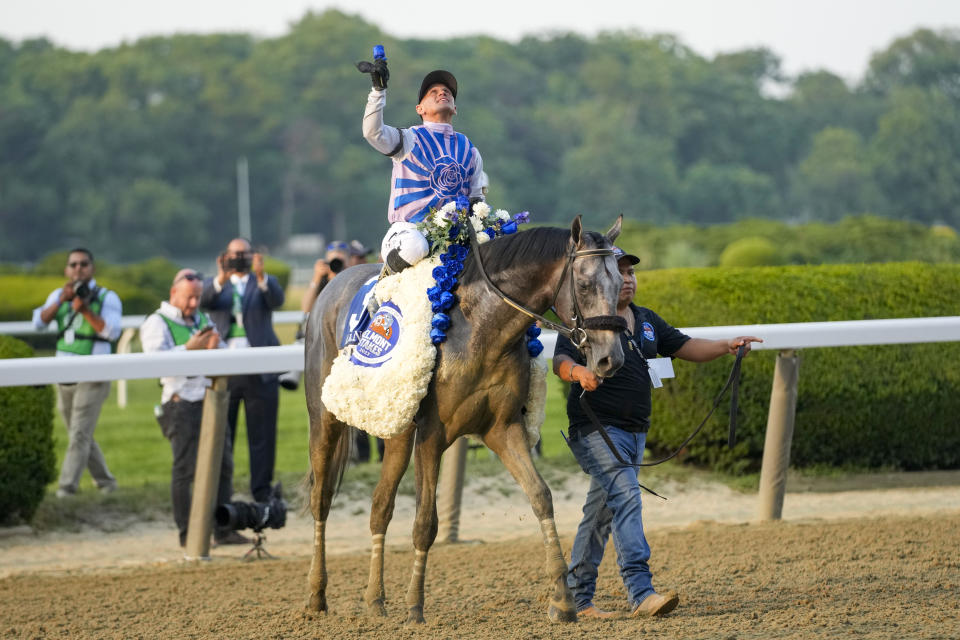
[(437, 77), (620, 253), (357, 248)]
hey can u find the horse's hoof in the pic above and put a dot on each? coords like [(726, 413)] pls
[(415, 615), (376, 609), (317, 604), (556, 614)]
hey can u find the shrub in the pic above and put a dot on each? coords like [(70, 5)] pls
[(27, 459), (879, 406), (750, 252), (279, 269)]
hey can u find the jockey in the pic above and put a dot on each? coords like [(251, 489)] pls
[(432, 163)]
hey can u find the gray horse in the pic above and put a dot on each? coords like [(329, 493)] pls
[(479, 387)]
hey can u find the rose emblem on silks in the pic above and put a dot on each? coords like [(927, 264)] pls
[(448, 177)]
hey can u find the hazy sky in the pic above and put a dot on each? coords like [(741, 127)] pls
[(839, 35)]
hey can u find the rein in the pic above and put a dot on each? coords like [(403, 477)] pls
[(578, 334), (732, 383)]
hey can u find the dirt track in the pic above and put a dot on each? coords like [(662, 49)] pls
[(889, 577)]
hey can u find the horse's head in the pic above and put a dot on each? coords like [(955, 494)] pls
[(589, 300)]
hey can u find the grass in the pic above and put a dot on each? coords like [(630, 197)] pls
[(140, 458)]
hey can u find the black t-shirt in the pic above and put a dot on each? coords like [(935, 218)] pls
[(624, 400)]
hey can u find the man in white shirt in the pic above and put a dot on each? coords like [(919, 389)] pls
[(176, 326), (88, 321)]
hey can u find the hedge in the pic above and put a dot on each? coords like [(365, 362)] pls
[(23, 293), (894, 406), (27, 458)]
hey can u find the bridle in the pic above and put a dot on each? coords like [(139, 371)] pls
[(578, 333)]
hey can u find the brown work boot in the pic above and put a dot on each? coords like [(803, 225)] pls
[(656, 605), (594, 612)]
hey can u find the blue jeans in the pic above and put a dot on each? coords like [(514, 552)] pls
[(612, 504)]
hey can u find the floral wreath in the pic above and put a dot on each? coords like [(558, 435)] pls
[(447, 232)]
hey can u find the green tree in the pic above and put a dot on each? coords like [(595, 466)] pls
[(916, 156), (835, 179)]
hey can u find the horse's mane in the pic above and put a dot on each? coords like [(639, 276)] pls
[(540, 245)]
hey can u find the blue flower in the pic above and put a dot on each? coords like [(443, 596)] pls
[(440, 321), (522, 217), (454, 232), (490, 232), (439, 272), (447, 283), (463, 202), (454, 267), (509, 227), (446, 300), (533, 331), (437, 336), (534, 347)]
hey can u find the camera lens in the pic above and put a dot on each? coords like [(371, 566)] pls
[(336, 265)]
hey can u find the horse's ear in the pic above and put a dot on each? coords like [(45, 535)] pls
[(575, 230), (615, 229)]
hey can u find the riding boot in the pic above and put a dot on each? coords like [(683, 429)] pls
[(394, 262)]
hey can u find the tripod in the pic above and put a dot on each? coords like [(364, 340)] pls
[(258, 539)]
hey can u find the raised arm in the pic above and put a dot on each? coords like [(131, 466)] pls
[(382, 137)]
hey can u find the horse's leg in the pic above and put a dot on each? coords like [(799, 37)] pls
[(430, 445), (396, 456), (509, 442), (325, 442)]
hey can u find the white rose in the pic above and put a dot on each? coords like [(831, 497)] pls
[(481, 209), (450, 207), (482, 238), (478, 225), (503, 215), (440, 219)]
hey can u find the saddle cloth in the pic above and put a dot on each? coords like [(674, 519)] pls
[(376, 383)]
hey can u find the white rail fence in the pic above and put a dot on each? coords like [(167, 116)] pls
[(785, 338)]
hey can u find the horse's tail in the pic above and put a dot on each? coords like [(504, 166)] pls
[(338, 464), (335, 470)]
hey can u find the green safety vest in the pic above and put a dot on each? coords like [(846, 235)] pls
[(84, 335), (180, 332)]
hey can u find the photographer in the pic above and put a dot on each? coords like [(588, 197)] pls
[(88, 321), (336, 260), (176, 326), (240, 300)]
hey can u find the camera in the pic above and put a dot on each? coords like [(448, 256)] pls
[(336, 265), (253, 515), (83, 291), (240, 264)]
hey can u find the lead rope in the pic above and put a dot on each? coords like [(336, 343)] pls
[(733, 383)]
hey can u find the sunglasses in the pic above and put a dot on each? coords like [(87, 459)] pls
[(338, 246), (74, 265), (189, 277)]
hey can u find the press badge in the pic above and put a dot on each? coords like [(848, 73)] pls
[(69, 336), (660, 368)]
